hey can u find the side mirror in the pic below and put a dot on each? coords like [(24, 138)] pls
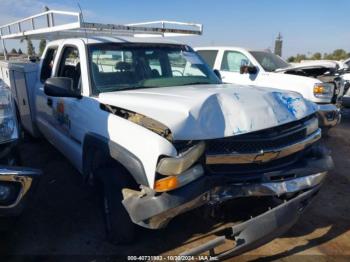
[(252, 70), (60, 87), (217, 73)]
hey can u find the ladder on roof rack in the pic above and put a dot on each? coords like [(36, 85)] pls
[(49, 28)]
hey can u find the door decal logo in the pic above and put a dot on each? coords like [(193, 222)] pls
[(59, 114)]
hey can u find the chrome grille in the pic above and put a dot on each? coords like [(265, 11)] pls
[(264, 140)]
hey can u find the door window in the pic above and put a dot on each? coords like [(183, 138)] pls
[(47, 65), (232, 61), (70, 66)]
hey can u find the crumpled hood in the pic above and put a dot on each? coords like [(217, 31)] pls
[(213, 111), (314, 69)]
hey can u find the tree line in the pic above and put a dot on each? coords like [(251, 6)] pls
[(338, 54), (30, 48)]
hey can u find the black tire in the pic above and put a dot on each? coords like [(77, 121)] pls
[(7, 223), (325, 132), (13, 158), (119, 227)]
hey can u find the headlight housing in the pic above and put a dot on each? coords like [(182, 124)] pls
[(176, 165), (180, 170), (323, 90), (173, 182), (346, 84), (8, 120)]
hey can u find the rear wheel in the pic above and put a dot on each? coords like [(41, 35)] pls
[(111, 180)]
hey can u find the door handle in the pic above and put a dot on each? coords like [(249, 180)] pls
[(49, 102)]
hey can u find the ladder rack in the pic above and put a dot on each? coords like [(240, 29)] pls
[(51, 29)]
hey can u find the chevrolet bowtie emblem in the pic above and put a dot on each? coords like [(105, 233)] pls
[(266, 156)]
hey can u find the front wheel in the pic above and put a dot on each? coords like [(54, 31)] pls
[(325, 132), (119, 227)]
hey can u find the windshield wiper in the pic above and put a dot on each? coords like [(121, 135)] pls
[(135, 87), (198, 83)]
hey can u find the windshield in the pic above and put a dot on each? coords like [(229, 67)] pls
[(269, 61), (117, 66)]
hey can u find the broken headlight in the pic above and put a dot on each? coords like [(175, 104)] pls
[(173, 182), (8, 120), (177, 165), (322, 90)]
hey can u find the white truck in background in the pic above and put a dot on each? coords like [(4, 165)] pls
[(262, 68), (345, 81), (149, 122)]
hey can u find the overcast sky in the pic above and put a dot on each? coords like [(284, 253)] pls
[(306, 26)]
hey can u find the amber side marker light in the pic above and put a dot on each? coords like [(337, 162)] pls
[(319, 89), (323, 89), (176, 181), (166, 184)]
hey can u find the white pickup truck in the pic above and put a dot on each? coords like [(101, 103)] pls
[(263, 68), (346, 85), (149, 122)]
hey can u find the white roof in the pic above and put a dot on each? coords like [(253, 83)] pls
[(236, 48), (220, 47), (112, 39)]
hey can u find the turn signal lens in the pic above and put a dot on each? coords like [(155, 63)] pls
[(323, 89), (166, 184), (319, 89), (173, 182)]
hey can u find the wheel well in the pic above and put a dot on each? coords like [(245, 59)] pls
[(99, 151), (98, 159)]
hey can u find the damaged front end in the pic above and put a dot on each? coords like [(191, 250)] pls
[(327, 73), (15, 181), (259, 230), (152, 210), (285, 162), (15, 185)]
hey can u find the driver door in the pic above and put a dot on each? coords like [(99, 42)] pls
[(59, 118)]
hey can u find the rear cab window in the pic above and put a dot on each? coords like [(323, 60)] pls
[(209, 56)]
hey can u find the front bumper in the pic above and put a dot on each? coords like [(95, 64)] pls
[(150, 210), (346, 101), (19, 181), (328, 115), (259, 230)]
